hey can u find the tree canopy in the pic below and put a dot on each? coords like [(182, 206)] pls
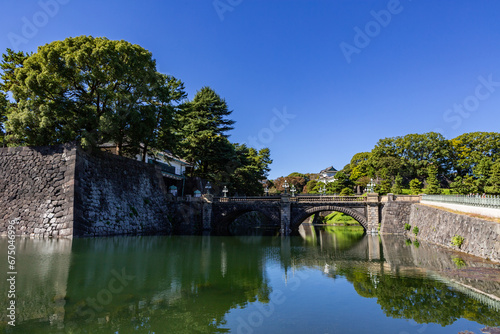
[(463, 163), (96, 91), (91, 90)]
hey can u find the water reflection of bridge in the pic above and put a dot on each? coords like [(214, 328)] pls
[(74, 274)]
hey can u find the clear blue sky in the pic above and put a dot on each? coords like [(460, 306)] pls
[(337, 90)]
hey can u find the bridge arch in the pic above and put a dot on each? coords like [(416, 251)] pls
[(223, 218), (361, 219)]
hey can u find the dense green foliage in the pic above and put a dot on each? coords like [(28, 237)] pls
[(97, 91), (465, 164), (93, 90), (418, 298), (397, 187), (415, 186), (494, 181), (339, 218), (3, 116)]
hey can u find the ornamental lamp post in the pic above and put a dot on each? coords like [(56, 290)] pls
[(322, 190), (293, 190), (224, 191), (208, 187), (370, 186), (285, 186)]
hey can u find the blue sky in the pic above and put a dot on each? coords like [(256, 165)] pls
[(315, 81)]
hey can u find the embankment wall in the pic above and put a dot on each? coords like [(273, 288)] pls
[(36, 188), (63, 191), (481, 237)]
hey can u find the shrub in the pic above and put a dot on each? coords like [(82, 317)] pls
[(407, 226), (346, 192), (415, 187), (415, 230), (457, 240), (460, 263), (408, 242), (416, 243)]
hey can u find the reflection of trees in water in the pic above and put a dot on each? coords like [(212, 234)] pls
[(180, 284), (412, 296), (188, 284), (334, 237), (418, 298)]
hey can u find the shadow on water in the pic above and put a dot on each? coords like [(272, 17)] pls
[(174, 284)]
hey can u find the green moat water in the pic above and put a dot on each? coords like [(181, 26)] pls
[(336, 280)]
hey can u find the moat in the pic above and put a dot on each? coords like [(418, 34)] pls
[(335, 280)]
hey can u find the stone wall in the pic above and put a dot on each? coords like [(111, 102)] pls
[(116, 195), (394, 217), (481, 237), (36, 187), (62, 191)]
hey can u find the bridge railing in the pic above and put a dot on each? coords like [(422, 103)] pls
[(321, 199), (486, 201), (246, 199)]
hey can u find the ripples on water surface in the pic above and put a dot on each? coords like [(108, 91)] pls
[(335, 281)]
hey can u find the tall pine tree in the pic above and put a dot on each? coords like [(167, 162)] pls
[(397, 187), (494, 181), (203, 128), (432, 181)]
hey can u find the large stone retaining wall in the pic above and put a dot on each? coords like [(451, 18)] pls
[(481, 237), (62, 191), (117, 195), (36, 187), (394, 217)]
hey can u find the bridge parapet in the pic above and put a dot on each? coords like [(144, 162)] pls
[(400, 198), (327, 199), (246, 199)]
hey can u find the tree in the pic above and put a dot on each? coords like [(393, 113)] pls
[(298, 182), (482, 173), (3, 115), (415, 186), (494, 180), (346, 192), (432, 181), (397, 187), (310, 186), (92, 90), (470, 148), (463, 185), (415, 152), (385, 185), (341, 182), (361, 166), (252, 169), (10, 61), (203, 127)]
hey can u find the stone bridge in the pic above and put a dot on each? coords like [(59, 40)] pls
[(287, 212)]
